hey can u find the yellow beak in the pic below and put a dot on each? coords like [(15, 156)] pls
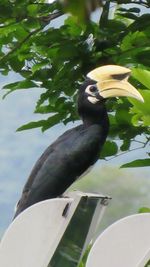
[(112, 81)]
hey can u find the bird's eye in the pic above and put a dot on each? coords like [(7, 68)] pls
[(93, 88)]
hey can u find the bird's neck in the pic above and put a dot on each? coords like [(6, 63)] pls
[(100, 119)]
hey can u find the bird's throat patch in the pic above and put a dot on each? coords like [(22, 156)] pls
[(92, 99)]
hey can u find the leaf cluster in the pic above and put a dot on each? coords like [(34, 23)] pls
[(57, 60)]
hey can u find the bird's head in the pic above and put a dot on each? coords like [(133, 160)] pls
[(102, 83)]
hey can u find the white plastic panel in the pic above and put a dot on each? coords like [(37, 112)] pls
[(126, 243), (33, 236)]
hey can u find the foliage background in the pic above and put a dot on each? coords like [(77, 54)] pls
[(58, 59), (53, 61)]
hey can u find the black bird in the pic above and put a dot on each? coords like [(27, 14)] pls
[(77, 149)]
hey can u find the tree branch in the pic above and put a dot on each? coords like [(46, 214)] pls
[(52, 16), (20, 44)]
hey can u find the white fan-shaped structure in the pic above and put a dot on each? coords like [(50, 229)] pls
[(42, 235), (34, 235), (126, 243)]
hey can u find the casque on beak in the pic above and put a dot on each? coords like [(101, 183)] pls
[(112, 81)]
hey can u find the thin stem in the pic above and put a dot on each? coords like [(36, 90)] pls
[(130, 150), (137, 141)]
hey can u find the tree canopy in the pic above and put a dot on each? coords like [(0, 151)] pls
[(56, 59)]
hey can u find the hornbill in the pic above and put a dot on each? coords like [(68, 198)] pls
[(77, 149)]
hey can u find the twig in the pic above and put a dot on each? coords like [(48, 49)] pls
[(137, 141), (52, 16), (130, 150)]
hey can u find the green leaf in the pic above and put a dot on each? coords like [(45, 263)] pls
[(129, 15), (126, 145), (32, 23), (5, 31), (142, 75), (147, 264), (141, 23), (115, 26), (26, 84), (6, 9), (51, 121), (143, 57), (134, 10), (20, 85), (123, 117), (44, 109), (137, 163), (44, 124), (134, 40), (141, 111), (16, 64), (144, 210), (31, 125), (109, 149), (40, 65), (74, 28), (32, 9)]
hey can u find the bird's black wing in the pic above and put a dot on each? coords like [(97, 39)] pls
[(61, 164)]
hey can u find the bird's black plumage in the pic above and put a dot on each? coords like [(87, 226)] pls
[(70, 155)]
